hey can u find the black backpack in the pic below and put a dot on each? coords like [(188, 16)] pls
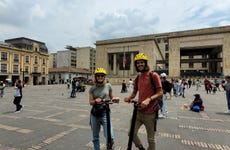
[(167, 86)]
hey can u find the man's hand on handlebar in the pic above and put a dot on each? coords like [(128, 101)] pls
[(115, 99), (128, 100)]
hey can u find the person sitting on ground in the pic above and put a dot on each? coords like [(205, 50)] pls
[(197, 104)]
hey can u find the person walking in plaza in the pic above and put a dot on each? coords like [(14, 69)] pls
[(217, 84), (183, 87), (175, 88), (227, 90), (2, 88), (130, 85), (123, 87), (198, 84), (189, 82), (98, 93), (166, 86), (18, 95), (207, 85), (147, 98), (73, 92)]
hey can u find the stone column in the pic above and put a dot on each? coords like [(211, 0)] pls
[(132, 65), (174, 58), (114, 64), (226, 55)]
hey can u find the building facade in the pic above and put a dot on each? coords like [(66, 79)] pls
[(25, 59), (79, 57), (201, 52), (86, 58), (67, 64), (64, 75)]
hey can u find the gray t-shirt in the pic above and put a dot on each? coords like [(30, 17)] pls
[(227, 86), (101, 91)]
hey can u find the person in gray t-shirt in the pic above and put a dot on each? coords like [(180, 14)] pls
[(98, 93)]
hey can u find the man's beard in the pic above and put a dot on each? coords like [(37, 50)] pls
[(142, 70)]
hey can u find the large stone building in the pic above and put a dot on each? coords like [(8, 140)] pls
[(25, 59), (201, 52)]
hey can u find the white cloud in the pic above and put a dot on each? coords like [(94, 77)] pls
[(37, 12), (224, 23)]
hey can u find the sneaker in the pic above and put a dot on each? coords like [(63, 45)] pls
[(141, 147), (18, 111), (161, 116), (227, 111)]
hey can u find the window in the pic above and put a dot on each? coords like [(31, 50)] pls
[(111, 61), (3, 68), (36, 60), (27, 59), (190, 65), (3, 55), (15, 68), (167, 56), (124, 60), (204, 56), (166, 47), (16, 58), (43, 61), (27, 69), (35, 69), (43, 70), (204, 65)]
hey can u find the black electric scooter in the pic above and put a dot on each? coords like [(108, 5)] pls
[(109, 138), (131, 132), (134, 117)]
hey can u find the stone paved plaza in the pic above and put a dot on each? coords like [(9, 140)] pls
[(50, 120)]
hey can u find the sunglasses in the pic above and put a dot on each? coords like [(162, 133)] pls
[(100, 75)]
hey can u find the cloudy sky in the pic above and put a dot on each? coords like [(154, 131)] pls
[(81, 23)]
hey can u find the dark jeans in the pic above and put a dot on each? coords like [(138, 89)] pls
[(17, 101), (73, 92), (228, 99)]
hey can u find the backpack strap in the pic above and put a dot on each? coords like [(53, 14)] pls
[(136, 82), (152, 81)]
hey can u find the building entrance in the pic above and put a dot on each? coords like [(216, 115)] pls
[(201, 61)]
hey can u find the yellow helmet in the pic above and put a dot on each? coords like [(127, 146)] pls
[(140, 56), (100, 70)]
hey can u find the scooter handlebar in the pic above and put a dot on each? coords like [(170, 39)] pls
[(108, 101)]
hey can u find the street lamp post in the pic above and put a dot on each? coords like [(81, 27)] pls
[(23, 76)]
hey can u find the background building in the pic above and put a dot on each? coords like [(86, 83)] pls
[(70, 63), (192, 53), (25, 59)]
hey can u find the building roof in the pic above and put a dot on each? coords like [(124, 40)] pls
[(23, 42), (69, 69), (193, 32)]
